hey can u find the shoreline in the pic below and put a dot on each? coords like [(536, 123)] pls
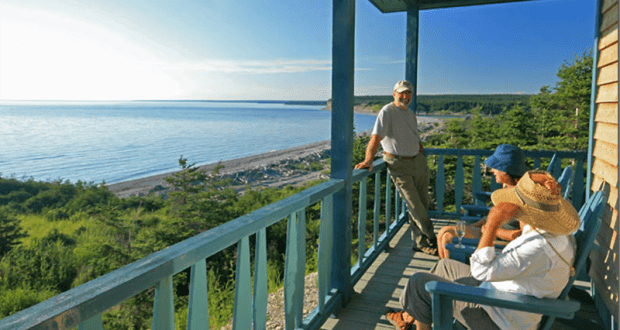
[(276, 168)]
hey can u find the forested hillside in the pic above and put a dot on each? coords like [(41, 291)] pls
[(490, 104)]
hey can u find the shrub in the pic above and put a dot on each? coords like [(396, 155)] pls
[(13, 300)]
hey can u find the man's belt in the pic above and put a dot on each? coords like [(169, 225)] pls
[(398, 157)]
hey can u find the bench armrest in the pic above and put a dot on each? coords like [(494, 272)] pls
[(444, 293)]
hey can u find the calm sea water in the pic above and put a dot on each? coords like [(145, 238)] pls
[(120, 141)]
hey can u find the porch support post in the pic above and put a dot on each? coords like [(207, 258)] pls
[(411, 63), (342, 141), (593, 105)]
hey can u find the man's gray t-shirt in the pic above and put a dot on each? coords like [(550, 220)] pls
[(398, 130)]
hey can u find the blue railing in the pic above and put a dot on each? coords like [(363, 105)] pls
[(473, 158), (83, 306)]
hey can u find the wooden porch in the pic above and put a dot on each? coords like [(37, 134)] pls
[(381, 286)]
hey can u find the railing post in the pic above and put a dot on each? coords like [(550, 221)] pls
[(163, 313), (343, 34), (388, 200), (476, 181), (242, 310), (326, 245), (294, 270), (94, 323), (440, 184), (377, 209), (259, 303), (198, 307), (361, 223), (459, 184)]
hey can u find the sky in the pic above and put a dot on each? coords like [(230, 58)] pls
[(276, 50)]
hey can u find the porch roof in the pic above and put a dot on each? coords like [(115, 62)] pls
[(391, 6)]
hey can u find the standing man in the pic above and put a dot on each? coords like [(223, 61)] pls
[(396, 129)]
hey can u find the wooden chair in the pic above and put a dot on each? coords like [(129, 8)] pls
[(444, 293)]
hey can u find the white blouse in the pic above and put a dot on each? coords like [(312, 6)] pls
[(527, 265)]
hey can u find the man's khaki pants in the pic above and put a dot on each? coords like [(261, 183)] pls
[(412, 179)]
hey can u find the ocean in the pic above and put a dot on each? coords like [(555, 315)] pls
[(120, 141)]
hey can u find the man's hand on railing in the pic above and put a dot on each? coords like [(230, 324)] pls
[(371, 150), (365, 164)]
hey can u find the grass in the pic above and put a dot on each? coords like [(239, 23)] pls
[(38, 227)]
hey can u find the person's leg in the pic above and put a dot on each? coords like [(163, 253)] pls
[(419, 171), (422, 180), (402, 176), (417, 302)]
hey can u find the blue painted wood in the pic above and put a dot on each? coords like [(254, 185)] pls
[(578, 185), (476, 180), (242, 310), (411, 62), (442, 311), (388, 200), (291, 267), (198, 306), (555, 166), (459, 183), (361, 223), (536, 163), (593, 96), (94, 323), (565, 181), (397, 203), (377, 209), (259, 303), (163, 311), (486, 152), (326, 242), (300, 275), (450, 291), (440, 183), (96, 296), (343, 64)]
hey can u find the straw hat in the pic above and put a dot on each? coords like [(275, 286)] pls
[(540, 203)]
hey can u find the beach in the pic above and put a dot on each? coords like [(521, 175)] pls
[(278, 168)]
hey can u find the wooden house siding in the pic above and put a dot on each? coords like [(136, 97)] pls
[(604, 171)]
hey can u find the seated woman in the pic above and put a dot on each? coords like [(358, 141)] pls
[(508, 165)]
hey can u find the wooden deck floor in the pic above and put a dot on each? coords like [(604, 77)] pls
[(381, 286)]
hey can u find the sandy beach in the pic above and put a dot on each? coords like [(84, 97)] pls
[(276, 168)]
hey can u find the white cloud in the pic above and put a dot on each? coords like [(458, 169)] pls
[(251, 67), (45, 56)]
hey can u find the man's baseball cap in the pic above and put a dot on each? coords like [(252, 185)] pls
[(402, 86)]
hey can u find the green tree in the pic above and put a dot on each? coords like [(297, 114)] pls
[(516, 127), (10, 233), (483, 130), (562, 113)]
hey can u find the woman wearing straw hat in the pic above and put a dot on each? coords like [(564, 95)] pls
[(538, 262), (508, 165)]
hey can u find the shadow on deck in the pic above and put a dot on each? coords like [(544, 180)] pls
[(380, 288)]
